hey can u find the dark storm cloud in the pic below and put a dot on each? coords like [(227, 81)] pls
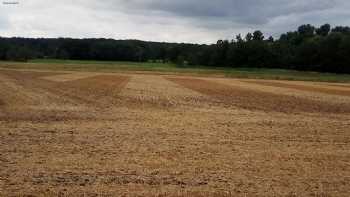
[(240, 11), (166, 20)]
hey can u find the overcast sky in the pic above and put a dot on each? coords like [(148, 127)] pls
[(196, 21)]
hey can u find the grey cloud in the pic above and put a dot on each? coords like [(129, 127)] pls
[(200, 21), (4, 24), (240, 11)]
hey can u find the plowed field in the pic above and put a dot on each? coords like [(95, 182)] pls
[(100, 134)]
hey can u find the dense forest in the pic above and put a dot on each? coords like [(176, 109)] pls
[(323, 49)]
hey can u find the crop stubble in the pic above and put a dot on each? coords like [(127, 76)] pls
[(339, 90), (152, 135), (259, 100)]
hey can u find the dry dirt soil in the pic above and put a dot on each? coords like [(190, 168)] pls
[(95, 134)]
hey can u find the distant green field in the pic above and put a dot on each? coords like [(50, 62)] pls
[(167, 68)]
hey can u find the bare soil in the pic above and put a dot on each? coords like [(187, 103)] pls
[(79, 134)]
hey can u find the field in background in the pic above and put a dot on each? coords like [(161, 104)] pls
[(105, 66), (106, 134)]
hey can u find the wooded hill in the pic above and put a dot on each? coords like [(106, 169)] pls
[(322, 49)]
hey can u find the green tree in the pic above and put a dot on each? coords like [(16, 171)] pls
[(22, 54), (306, 30), (239, 38), (270, 39), (323, 30), (249, 37), (258, 36), (341, 29)]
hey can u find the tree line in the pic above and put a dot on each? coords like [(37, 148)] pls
[(322, 49)]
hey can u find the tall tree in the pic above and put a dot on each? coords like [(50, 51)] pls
[(271, 39), (341, 29), (249, 37), (323, 30), (239, 38), (258, 36), (306, 30)]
